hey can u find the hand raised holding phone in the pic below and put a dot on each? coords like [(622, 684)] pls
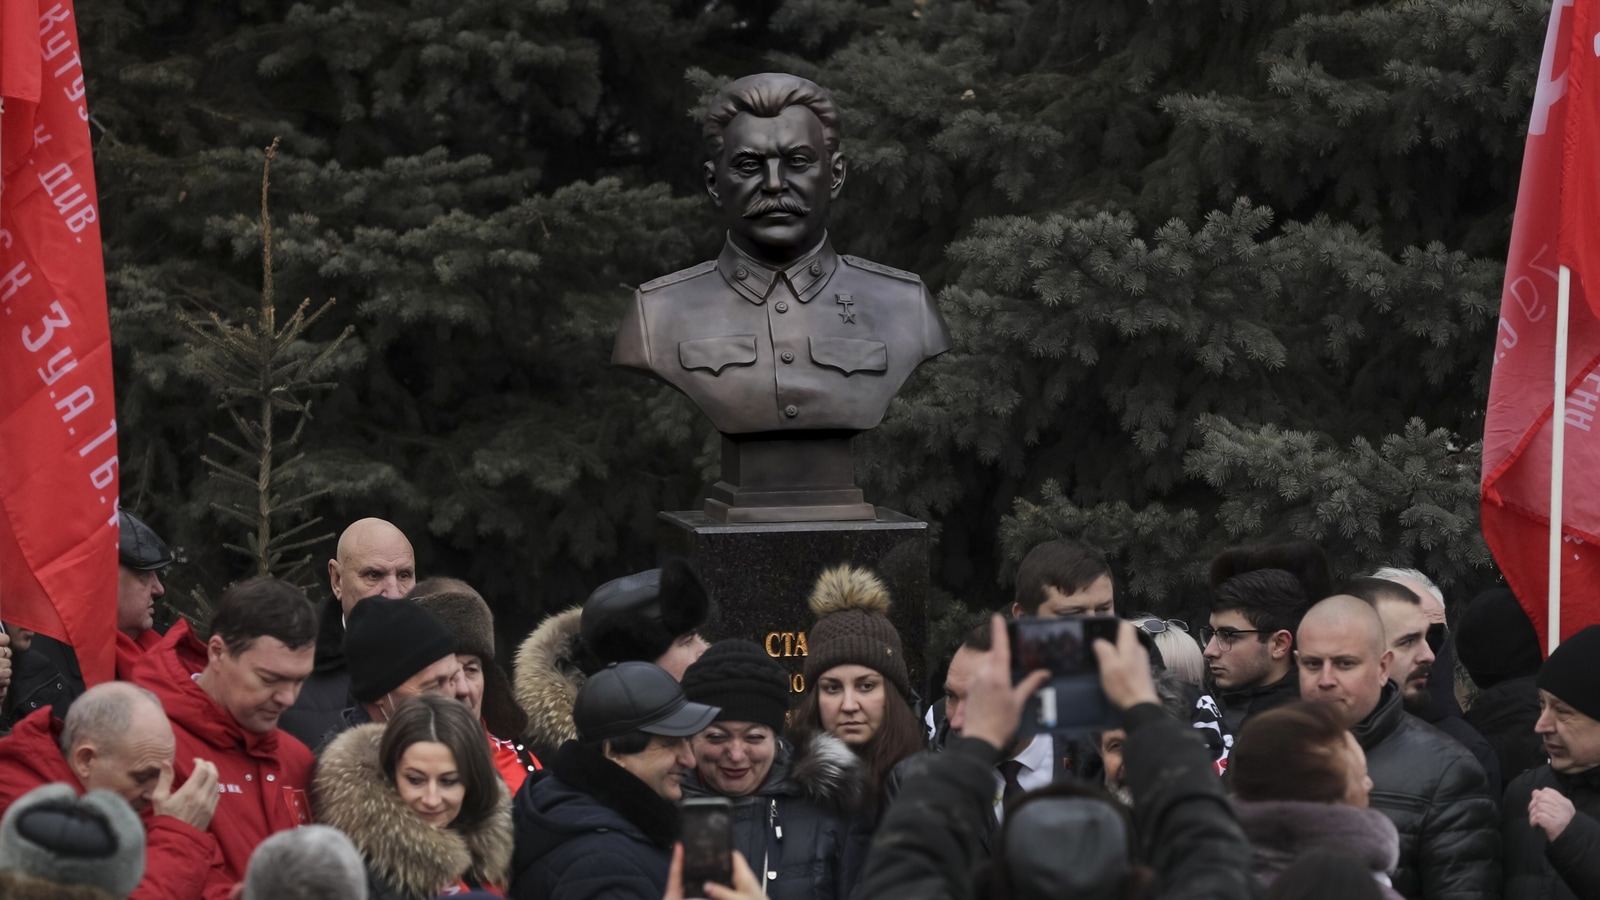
[(745, 886)]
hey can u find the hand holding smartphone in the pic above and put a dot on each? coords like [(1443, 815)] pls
[(1072, 701), (707, 843)]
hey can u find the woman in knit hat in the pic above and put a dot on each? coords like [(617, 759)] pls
[(791, 805), (857, 687)]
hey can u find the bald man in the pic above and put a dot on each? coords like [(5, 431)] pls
[(117, 738), (373, 559), (1427, 784)]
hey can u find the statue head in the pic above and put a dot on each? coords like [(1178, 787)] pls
[(773, 163)]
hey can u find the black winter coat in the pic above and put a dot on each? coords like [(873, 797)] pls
[(1569, 866), (587, 829), (326, 693), (929, 843), (795, 830), (1504, 713), (1239, 706), (1435, 793), (46, 674)]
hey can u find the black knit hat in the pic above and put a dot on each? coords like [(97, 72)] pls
[(388, 641), (1572, 673), (740, 677), (637, 617), (1495, 639), (853, 627)]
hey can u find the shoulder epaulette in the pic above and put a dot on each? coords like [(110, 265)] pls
[(880, 268), (680, 275)]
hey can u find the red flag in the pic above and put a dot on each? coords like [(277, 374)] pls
[(1557, 202), (58, 445)]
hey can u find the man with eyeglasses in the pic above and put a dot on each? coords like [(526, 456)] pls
[(1249, 643)]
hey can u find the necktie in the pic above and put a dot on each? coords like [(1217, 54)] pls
[(1009, 770)]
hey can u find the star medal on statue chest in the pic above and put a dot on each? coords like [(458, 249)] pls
[(847, 310)]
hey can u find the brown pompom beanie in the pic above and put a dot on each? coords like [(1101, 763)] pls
[(853, 628)]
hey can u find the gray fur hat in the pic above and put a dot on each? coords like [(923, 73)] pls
[(54, 835)]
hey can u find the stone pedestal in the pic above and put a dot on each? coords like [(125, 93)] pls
[(761, 575)]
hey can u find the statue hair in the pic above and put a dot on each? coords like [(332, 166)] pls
[(767, 95)]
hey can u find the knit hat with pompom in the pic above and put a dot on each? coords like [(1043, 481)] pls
[(853, 628)]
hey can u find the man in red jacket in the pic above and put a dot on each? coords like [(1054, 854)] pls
[(224, 698), (116, 738)]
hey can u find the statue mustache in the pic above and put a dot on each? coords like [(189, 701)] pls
[(763, 205)]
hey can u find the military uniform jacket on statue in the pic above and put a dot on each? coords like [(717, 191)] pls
[(822, 344)]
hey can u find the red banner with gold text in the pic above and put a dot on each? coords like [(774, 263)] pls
[(58, 444)]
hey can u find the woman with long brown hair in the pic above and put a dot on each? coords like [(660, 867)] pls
[(857, 687), (421, 800)]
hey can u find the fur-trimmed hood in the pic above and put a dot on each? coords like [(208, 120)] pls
[(352, 795), (1281, 830), (827, 772), (546, 681), (823, 771)]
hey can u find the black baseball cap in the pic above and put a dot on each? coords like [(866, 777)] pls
[(138, 546), (637, 696)]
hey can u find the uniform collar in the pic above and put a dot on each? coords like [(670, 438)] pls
[(806, 275)]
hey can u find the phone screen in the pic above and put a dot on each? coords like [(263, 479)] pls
[(707, 844), (1071, 702)]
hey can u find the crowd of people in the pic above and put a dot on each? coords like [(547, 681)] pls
[(1311, 740)]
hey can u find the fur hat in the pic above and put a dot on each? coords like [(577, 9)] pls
[(1495, 639), (1302, 559), (637, 617), (467, 617), (54, 835), (853, 627), (740, 677)]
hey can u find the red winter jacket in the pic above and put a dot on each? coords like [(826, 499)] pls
[(181, 862), (130, 651), (262, 777)]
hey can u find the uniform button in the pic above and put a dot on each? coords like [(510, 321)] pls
[(788, 356), (816, 268), (249, 778), (782, 306), (272, 778), (791, 411), (741, 273)]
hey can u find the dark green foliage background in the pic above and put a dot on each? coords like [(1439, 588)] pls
[(1219, 271)]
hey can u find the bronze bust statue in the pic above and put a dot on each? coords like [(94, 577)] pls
[(789, 347)]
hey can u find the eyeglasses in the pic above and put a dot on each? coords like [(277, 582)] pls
[(1157, 626), (1224, 636)]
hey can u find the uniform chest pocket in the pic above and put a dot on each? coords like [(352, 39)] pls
[(850, 355), (718, 353)]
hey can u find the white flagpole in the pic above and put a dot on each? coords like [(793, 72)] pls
[(1558, 450)]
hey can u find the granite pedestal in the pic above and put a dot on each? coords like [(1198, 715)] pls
[(761, 575)]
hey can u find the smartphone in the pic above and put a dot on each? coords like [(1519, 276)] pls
[(1072, 701), (707, 843)]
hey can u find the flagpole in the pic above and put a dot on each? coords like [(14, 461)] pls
[(1558, 450)]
